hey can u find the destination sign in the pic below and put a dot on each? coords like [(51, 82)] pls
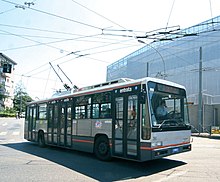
[(128, 89), (168, 89), (124, 90)]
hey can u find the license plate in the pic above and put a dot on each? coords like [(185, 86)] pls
[(175, 150)]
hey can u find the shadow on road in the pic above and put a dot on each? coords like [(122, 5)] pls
[(88, 165)]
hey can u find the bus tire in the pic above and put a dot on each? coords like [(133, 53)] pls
[(102, 148), (41, 139)]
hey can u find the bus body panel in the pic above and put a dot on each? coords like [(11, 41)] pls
[(170, 142), (85, 131), (92, 127), (41, 125), (164, 144), (167, 138), (84, 127), (83, 143), (102, 126)]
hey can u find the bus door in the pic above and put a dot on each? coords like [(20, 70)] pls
[(50, 124), (54, 123), (64, 132), (125, 136), (32, 124)]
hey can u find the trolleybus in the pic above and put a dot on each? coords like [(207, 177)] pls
[(114, 119)]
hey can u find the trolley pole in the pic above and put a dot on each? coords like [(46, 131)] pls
[(200, 102)]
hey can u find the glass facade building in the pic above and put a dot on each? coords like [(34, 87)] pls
[(178, 60)]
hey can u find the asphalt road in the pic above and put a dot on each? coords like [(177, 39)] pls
[(24, 161)]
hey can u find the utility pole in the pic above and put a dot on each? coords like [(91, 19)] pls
[(147, 72), (200, 102)]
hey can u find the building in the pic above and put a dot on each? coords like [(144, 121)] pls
[(6, 81), (185, 59)]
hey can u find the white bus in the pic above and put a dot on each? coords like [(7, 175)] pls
[(114, 119)]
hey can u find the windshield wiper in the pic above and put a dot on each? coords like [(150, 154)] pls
[(162, 123)]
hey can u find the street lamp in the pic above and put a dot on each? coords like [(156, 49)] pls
[(164, 70)]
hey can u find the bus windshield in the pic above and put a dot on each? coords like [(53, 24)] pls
[(168, 106)]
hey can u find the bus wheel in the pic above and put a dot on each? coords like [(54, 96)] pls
[(41, 140), (102, 149)]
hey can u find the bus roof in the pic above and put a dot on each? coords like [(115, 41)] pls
[(107, 86)]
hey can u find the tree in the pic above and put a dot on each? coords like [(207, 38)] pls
[(21, 97), (2, 96)]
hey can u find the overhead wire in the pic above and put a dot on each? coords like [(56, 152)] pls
[(33, 77), (46, 64), (41, 30), (36, 36), (124, 29), (87, 56), (101, 46), (98, 52), (43, 43), (77, 53), (39, 43), (50, 42), (54, 15), (98, 14), (6, 11), (57, 32)]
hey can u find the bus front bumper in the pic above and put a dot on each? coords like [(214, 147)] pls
[(163, 152)]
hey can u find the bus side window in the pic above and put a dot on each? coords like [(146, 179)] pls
[(83, 107), (80, 112), (106, 110), (101, 107), (95, 111)]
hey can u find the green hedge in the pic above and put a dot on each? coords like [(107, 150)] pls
[(7, 114)]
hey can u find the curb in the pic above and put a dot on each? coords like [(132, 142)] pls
[(206, 135)]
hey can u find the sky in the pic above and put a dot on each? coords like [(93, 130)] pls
[(83, 37)]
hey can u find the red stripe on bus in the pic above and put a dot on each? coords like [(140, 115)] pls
[(161, 147), (83, 141)]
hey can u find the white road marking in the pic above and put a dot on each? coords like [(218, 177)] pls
[(16, 133), (172, 175), (4, 124), (3, 133), (11, 140)]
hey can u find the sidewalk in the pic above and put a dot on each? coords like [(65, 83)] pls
[(206, 135)]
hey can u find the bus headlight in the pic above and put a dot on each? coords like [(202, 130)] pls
[(156, 144)]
